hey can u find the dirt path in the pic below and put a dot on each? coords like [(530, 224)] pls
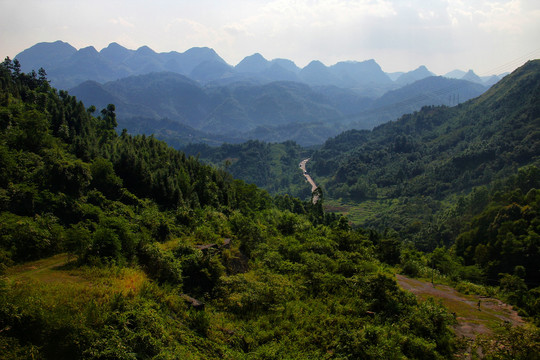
[(475, 314), (45, 270)]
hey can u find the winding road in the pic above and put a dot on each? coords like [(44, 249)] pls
[(309, 179)]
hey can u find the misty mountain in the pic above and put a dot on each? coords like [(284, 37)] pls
[(267, 100), (395, 75), (155, 95), (418, 74), (434, 90), (228, 110), (471, 76), (367, 77), (66, 67), (316, 73), (439, 150), (354, 74), (276, 111), (455, 74), (46, 55), (257, 67), (210, 70), (287, 64), (255, 63), (490, 80)]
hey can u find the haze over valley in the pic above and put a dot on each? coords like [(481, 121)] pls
[(196, 96), (270, 179)]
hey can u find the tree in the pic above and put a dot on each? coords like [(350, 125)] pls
[(109, 117), (104, 178)]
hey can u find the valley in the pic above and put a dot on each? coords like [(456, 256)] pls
[(308, 178), (104, 227)]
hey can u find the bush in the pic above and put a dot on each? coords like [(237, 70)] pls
[(160, 265), (411, 268), (106, 244)]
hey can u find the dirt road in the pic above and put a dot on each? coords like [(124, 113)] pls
[(309, 179)]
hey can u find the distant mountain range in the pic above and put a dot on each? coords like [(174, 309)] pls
[(196, 96), (68, 67)]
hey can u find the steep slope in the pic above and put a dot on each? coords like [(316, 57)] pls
[(439, 151), (273, 167), (429, 91), (433, 90)]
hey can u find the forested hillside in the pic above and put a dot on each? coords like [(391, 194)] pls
[(273, 167), (169, 258), (439, 151)]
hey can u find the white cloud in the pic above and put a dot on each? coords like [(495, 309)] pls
[(190, 33), (399, 34), (505, 16), (121, 21)]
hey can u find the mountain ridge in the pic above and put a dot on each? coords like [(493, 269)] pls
[(262, 111), (118, 61)]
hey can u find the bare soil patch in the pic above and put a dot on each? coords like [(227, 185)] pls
[(474, 314)]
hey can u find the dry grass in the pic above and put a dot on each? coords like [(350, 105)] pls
[(57, 274)]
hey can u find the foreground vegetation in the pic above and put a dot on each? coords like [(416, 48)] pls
[(146, 231)]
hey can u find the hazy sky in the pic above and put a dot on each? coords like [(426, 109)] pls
[(488, 36)]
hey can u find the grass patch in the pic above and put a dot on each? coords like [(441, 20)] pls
[(58, 272), (46, 270), (490, 314)]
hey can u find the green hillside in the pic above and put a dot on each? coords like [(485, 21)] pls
[(438, 152), (273, 167)]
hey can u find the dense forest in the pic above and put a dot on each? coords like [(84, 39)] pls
[(440, 150), (460, 183), (271, 166), (151, 233)]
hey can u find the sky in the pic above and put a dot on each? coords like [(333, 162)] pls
[(490, 37)]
